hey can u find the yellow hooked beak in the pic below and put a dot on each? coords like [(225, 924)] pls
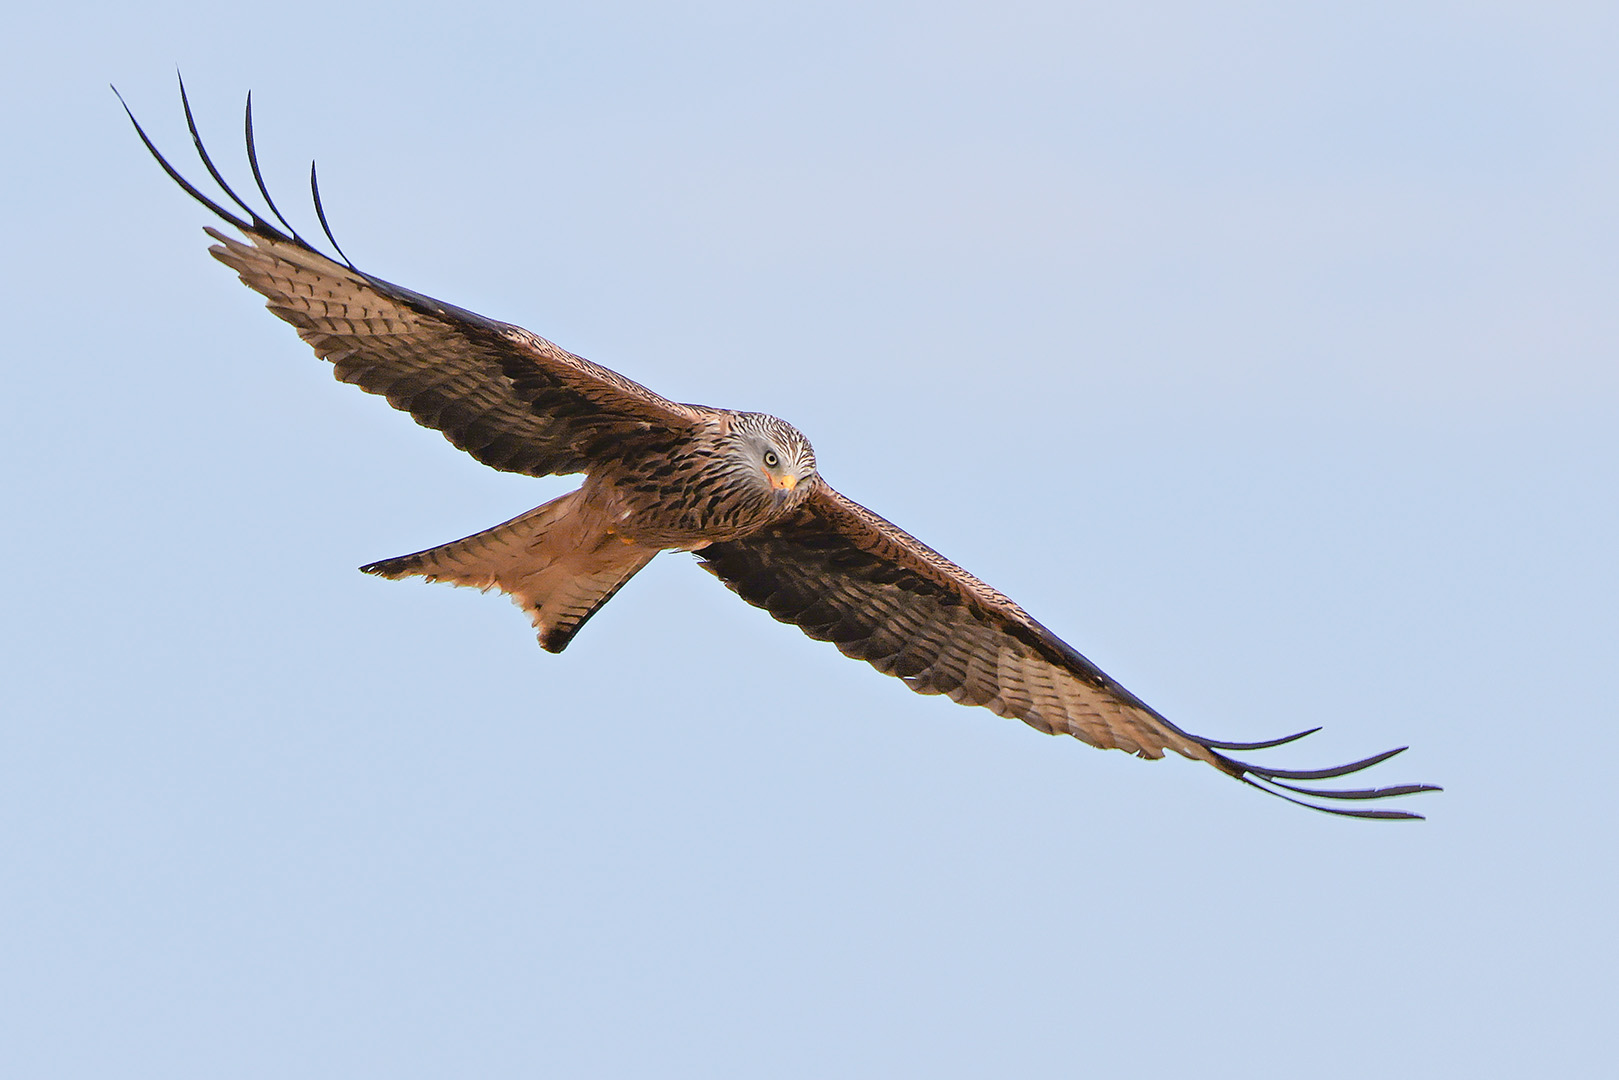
[(783, 483)]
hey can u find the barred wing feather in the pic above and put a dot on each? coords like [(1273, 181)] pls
[(841, 573)]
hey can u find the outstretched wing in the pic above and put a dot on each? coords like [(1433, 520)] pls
[(511, 399), (842, 574)]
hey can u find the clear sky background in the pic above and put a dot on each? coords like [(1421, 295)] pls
[(1265, 351)]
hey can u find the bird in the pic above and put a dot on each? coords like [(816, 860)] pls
[(739, 490)]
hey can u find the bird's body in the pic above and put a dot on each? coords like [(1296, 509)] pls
[(563, 560), (723, 483), (740, 490)]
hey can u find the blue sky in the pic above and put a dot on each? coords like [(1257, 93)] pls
[(1267, 354)]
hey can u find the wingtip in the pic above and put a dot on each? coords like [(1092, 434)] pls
[(400, 566), (258, 175), (1337, 811), (1263, 745), (320, 212), (174, 174), (1274, 781)]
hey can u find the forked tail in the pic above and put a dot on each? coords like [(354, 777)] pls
[(559, 562)]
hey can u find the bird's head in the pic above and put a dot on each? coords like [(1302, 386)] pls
[(777, 454)]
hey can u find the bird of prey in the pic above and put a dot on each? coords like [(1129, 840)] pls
[(740, 490)]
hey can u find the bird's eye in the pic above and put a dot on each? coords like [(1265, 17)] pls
[(771, 460)]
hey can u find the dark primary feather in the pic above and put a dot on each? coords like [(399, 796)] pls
[(842, 574), (512, 400)]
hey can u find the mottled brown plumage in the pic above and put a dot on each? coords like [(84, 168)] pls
[(739, 489)]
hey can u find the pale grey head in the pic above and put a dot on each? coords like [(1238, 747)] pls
[(774, 454)]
